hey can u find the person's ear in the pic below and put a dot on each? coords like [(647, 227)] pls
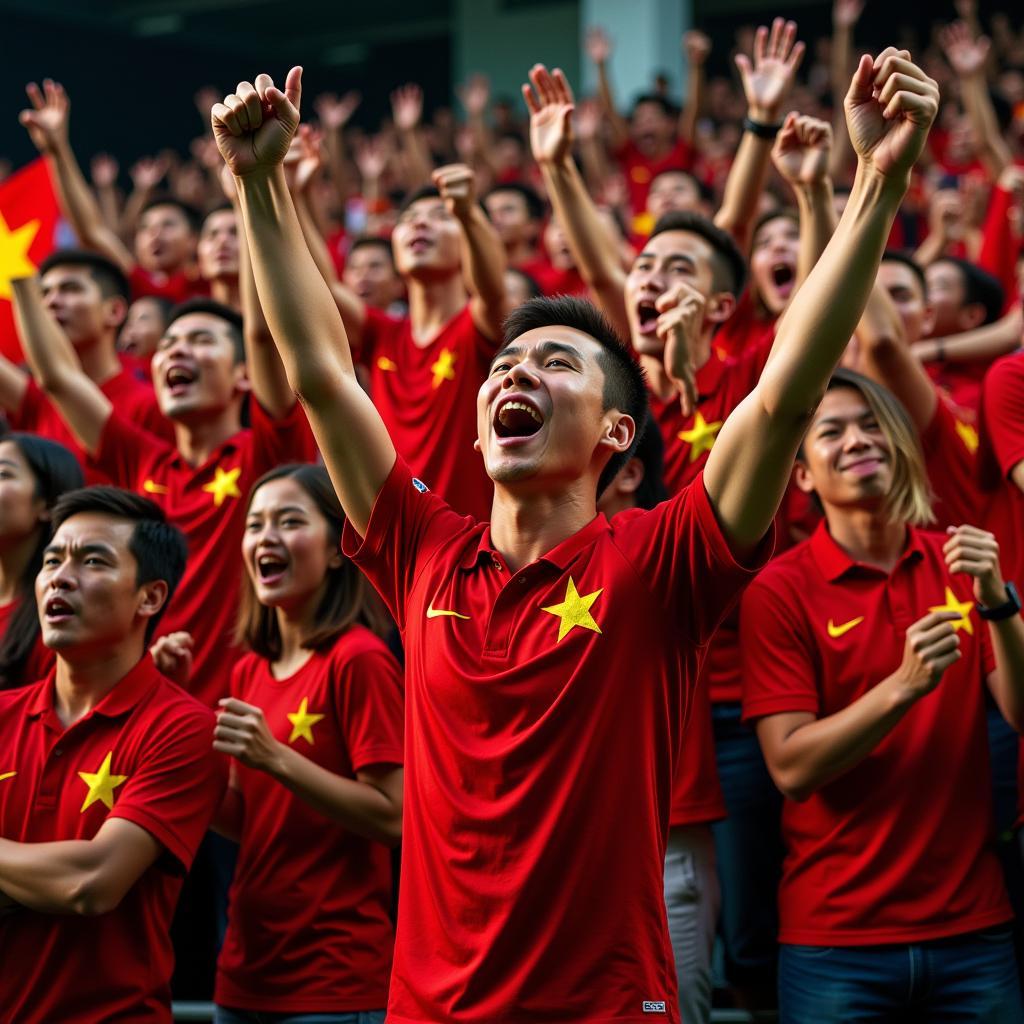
[(152, 597), (243, 385), (620, 429), (115, 312), (630, 477), (719, 307), (971, 316), (802, 477), (928, 321)]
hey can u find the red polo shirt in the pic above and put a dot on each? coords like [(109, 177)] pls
[(308, 925), (641, 170), (426, 396), (176, 288), (145, 754), (897, 849), (40, 659), (747, 328), (132, 397), (541, 747), (950, 446), (207, 503)]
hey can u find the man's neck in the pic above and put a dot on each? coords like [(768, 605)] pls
[(99, 360), (867, 536), (197, 440), (526, 526), (432, 303), (225, 291), (83, 683), (658, 381), (13, 561)]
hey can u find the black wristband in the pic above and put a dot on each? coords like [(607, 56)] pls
[(761, 130), (1006, 610)]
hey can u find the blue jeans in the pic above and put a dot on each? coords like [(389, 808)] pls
[(748, 852), (970, 978), (225, 1016)]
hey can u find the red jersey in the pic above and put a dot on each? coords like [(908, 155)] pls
[(950, 445), (540, 752), (308, 925), (40, 659), (898, 849), (426, 396), (132, 397), (207, 503), (748, 328), (641, 170), (144, 754), (178, 287)]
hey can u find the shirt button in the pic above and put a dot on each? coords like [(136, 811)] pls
[(496, 564)]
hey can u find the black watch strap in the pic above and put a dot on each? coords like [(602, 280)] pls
[(1010, 607), (760, 129)]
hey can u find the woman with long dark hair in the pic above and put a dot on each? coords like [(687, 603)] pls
[(34, 473), (315, 725)]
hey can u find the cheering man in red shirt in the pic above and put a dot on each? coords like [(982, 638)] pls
[(540, 759), (109, 779)]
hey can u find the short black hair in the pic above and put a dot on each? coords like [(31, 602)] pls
[(158, 548), (187, 210), (423, 192), (221, 207), (625, 386), (904, 258), (534, 204), (668, 108), (730, 268), (650, 450), (532, 287), (779, 213), (230, 316), (706, 192), (980, 287), (373, 242), (111, 279)]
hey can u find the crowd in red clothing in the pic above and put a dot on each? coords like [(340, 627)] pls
[(845, 764)]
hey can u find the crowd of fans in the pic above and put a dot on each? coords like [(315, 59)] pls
[(820, 776)]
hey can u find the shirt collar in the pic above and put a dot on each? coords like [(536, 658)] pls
[(560, 556), (127, 692), (834, 562), (227, 447)]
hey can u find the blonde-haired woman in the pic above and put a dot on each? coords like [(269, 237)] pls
[(866, 657)]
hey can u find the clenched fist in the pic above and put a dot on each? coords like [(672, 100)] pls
[(457, 185), (680, 321)]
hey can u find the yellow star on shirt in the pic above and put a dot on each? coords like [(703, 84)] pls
[(224, 485), (968, 435), (302, 722), (953, 605), (574, 610), (444, 368), (101, 784), (14, 246), (701, 436)]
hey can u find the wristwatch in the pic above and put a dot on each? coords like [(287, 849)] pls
[(760, 129), (1010, 607)]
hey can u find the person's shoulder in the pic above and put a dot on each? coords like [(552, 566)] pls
[(170, 703), (789, 570), (16, 702), (1007, 370)]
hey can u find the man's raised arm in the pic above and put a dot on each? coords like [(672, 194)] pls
[(890, 106), (253, 127)]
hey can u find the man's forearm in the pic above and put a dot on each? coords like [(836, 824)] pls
[(994, 150), (48, 351), (485, 263), (54, 878), (743, 188), (981, 343), (817, 223)]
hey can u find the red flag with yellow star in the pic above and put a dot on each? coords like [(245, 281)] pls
[(29, 216)]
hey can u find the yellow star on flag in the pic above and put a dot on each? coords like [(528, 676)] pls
[(574, 610), (701, 436), (383, 363), (953, 605), (224, 485), (302, 722), (101, 784), (14, 246), (444, 368), (968, 435)]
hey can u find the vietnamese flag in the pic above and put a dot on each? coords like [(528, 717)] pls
[(29, 218)]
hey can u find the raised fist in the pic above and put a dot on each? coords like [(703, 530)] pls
[(768, 79), (680, 321), (457, 185), (976, 552), (255, 124), (47, 121), (930, 647), (598, 45), (696, 46), (890, 107), (550, 114), (802, 149)]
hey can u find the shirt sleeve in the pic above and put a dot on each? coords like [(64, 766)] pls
[(778, 667), (288, 439), (679, 550), (370, 708), (26, 416), (123, 451), (1004, 411), (178, 785)]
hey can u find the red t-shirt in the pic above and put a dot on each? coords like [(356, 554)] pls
[(207, 503), (133, 398), (641, 170), (144, 754), (179, 287), (950, 445), (553, 281), (427, 399), (748, 328), (540, 752), (308, 925), (897, 849), (40, 659)]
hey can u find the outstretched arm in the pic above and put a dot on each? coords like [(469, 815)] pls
[(551, 109), (47, 124), (696, 47), (755, 449), (51, 357), (845, 15), (599, 49), (300, 310), (407, 110), (766, 83)]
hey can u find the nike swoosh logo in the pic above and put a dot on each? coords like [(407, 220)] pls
[(837, 631), (151, 487), (433, 613), (7, 775)]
